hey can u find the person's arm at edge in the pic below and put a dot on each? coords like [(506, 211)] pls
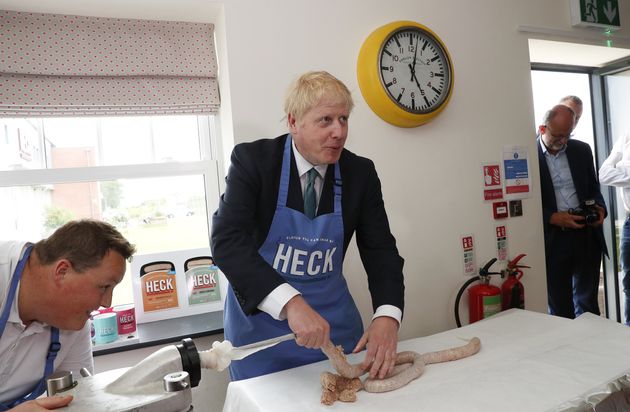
[(612, 172), (43, 404), (383, 264)]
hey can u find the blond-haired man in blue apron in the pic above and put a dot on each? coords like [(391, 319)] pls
[(289, 211)]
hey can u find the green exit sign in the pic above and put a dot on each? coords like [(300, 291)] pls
[(595, 13)]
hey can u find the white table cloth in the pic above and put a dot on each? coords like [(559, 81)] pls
[(528, 362)]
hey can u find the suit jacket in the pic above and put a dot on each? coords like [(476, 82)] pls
[(586, 185), (246, 209)]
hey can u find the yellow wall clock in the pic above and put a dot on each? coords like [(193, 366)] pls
[(405, 73)]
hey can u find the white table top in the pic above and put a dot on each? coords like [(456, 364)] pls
[(528, 362)]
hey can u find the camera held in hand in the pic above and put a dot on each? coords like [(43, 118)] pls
[(587, 210)]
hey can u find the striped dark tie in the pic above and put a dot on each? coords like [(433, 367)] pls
[(310, 201)]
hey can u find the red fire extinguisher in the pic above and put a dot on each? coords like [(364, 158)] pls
[(484, 299), (512, 290)]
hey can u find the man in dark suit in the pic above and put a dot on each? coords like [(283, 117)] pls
[(573, 244), (290, 208)]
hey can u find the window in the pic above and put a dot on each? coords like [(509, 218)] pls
[(549, 87), (154, 177)]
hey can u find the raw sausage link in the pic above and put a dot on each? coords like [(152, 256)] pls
[(400, 377)]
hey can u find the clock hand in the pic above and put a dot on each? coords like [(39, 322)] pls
[(415, 78), (415, 53), (413, 68)]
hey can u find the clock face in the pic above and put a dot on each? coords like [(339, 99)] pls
[(415, 70)]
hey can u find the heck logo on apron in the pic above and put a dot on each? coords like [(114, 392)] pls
[(302, 262)]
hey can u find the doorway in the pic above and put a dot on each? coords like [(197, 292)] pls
[(548, 88), (602, 80)]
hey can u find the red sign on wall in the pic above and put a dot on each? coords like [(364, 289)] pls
[(467, 242), (491, 175), (492, 187)]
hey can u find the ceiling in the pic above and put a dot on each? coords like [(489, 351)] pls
[(541, 51), (573, 54), (196, 11)]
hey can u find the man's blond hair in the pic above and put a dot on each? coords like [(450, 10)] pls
[(311, 88)]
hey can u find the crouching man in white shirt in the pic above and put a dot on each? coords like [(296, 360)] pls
[(47, 292)]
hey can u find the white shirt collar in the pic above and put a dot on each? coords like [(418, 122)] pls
[(304, 165)]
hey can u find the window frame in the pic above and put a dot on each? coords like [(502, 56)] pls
[(208, 166)]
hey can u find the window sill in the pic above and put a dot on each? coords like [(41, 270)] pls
[(168, 331)]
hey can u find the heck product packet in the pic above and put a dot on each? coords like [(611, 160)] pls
[(202, 280), (159, 286)]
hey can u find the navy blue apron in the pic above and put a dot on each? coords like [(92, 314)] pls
[(54, 338), (309, 255)]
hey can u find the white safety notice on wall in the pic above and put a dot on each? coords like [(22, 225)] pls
[(468, 256), (502, 243), (517, 178)]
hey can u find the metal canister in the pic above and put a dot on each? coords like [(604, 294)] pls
[(175, 382), (59, 381)]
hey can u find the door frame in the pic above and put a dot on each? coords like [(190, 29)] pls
[(602, 145), (603, 133)]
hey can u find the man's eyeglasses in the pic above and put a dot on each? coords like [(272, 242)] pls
[(558, 136)]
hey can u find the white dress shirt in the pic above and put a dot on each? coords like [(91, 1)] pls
[(615, 170), (274, 303), (560, 172)]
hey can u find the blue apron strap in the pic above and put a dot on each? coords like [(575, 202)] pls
[(50, 365), (283, 191), (337, 185), (13, 287), (40, 388), (53, 349)]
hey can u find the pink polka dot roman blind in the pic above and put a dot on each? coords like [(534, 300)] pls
[(57, 65)]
